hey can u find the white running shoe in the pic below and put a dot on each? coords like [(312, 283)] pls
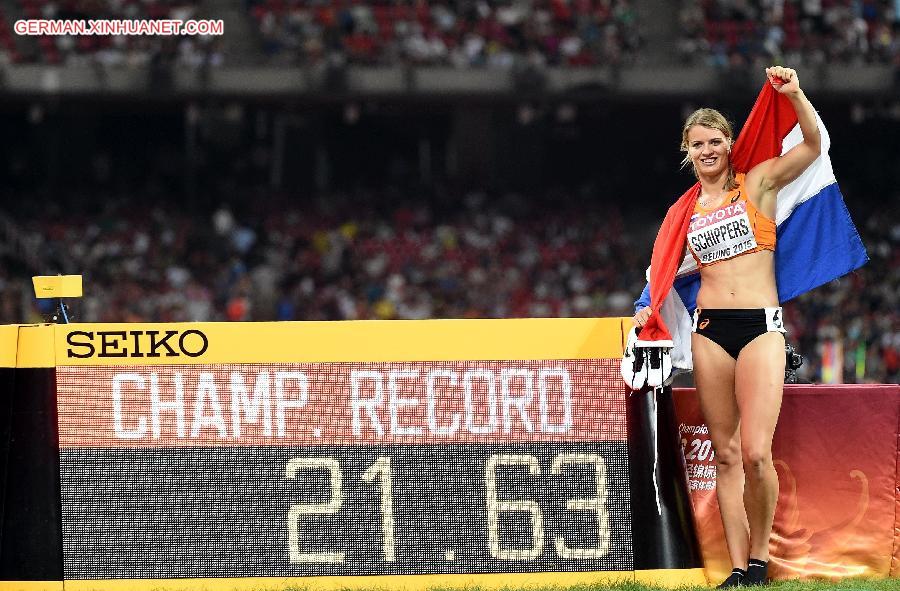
[(634, 366), (658, 361)]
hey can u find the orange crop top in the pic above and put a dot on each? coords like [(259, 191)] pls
[(734, 228)]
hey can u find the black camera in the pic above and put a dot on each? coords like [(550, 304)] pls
[(793, 360)]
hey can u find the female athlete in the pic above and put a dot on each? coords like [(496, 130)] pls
[(738, 340)]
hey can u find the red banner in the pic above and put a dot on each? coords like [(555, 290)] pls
[(836, 452)]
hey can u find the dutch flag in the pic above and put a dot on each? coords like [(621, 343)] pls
[(816, 239)]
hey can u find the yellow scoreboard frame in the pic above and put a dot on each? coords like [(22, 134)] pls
[(86, 374)]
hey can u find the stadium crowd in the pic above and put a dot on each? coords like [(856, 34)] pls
[(359, 256), (460, 33), (475, 33), (736, 33)]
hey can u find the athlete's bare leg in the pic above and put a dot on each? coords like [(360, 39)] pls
[(759, 385), (714, 374)]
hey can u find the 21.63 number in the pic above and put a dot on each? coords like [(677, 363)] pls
[(379, 474)]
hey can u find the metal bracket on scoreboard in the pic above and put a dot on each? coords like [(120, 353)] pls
[(58, 287)]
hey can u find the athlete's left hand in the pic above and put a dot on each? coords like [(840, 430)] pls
[(784, 80)]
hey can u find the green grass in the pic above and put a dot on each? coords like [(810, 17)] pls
[(844, 585), (823, 585)]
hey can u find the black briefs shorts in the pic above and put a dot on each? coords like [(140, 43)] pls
[(733, 329)]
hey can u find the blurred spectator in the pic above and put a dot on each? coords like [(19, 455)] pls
[(158, 263), (459, 33), (737, 33)]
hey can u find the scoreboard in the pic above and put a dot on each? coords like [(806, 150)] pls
[(391, 454)]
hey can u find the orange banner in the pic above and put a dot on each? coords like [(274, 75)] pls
[(836, 452)]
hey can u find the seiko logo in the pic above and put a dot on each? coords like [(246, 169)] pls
[(136, 343)]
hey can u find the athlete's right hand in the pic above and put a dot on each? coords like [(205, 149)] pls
[(640, 319), (784, 80)]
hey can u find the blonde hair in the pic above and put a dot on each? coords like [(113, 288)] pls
[(711, 119)]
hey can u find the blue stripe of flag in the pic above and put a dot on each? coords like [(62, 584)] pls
[(816, 244)]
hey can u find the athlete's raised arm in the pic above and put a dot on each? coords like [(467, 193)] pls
[(770, 176)]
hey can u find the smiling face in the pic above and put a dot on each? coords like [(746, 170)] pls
[(705, 139), (707, 150)]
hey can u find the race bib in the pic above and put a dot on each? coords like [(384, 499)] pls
[(721, 234)]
